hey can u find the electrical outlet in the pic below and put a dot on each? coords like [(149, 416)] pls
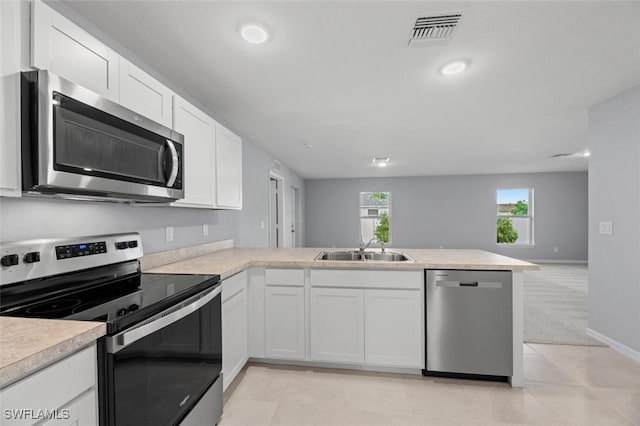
[(168, 234), (205, 229), (606, 227), (555, 249), (262, 224)]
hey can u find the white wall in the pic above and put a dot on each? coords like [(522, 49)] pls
[(614, 195), (454, 212)]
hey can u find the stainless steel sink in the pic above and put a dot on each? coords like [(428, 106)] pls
[(366, 256)]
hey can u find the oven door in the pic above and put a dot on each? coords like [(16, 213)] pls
[(158, 370)]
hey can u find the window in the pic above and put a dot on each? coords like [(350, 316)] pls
[(515, 216), (375, 216)]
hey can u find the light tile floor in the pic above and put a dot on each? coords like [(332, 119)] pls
[(564, 385)]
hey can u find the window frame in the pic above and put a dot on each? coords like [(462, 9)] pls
[(360, 207), (530, 216)]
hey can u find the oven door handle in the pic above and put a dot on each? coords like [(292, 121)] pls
[(164, 319)]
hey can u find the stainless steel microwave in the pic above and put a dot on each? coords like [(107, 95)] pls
[(77, 144)]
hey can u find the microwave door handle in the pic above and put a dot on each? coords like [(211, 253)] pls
[(174, 164), (123, 340)]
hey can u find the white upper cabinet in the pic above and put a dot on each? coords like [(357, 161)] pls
[(199, 132), (145, 95), (13, 18), (60, 46), (228, 169)]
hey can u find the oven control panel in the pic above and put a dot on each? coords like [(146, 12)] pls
[(82, 249), (27, 260)]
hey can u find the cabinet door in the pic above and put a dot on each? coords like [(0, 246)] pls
[(80, 412), (199, 145), (60, 46), (394, 328), (145, 95), (11, 22), (337, 325), (228, 169), (284, 322), (71, 379), (234, 336)]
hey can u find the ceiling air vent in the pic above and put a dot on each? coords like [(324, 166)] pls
[(429, 29)]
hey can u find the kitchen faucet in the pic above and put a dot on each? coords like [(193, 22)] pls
[(364, 246)]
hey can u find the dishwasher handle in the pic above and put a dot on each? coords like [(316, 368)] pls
[(470, 284)]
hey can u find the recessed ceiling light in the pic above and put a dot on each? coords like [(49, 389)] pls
[(254, 34), (453, 68), (381, 161), (308, 145)]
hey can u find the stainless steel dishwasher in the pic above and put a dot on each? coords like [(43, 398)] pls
[(469, 323)]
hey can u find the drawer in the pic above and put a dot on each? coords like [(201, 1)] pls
[(234, 285), (284, 277), (410, 280), (54, 386)]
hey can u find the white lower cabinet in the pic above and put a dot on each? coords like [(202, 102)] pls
[(393, 325), (337, 325), (284, 322), (73, 402), (234, 326)]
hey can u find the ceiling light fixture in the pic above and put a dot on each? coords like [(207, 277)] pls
[(381, 161), (586, 154), (254, 34), (453, 68)]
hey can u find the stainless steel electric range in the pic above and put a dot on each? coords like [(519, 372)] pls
[(161, 360)]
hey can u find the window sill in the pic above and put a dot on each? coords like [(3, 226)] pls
[(521, 245)]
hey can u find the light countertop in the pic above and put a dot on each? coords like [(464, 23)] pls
[(28, 344), (231, 261)]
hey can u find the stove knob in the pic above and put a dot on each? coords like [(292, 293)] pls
[(122, 312), (9, 260), (133, 307), (32, 257)]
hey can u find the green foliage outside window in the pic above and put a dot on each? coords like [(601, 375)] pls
[(506, 233), (521, 209), (382, 230)]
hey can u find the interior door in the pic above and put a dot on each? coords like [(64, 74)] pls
[(294, 217), (274, 216)]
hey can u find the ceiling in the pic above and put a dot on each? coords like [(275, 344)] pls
[(340, 76)]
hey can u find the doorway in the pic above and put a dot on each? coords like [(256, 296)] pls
[(276, 210), (295, 224)]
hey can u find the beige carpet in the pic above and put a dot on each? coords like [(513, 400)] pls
[(555, 305)]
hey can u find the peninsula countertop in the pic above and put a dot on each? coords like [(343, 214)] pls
[(233, 260)]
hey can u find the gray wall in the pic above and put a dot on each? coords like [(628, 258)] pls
[(256, 198), (614, 195), (454, 212)]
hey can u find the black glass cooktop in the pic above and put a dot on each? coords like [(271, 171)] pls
[(118, 295)]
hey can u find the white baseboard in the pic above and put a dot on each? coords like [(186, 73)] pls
[(614, 344), (575, 262)]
